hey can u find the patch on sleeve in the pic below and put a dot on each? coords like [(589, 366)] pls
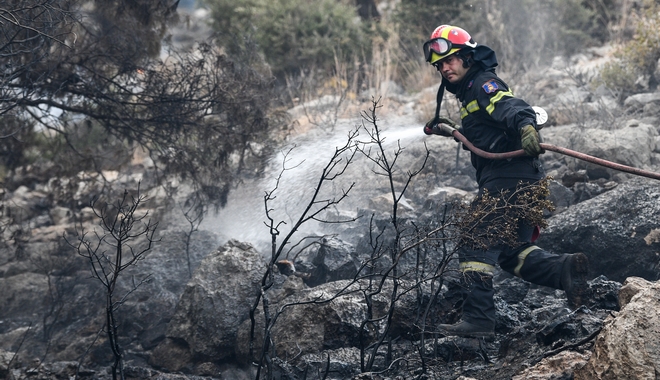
[(490, 86)]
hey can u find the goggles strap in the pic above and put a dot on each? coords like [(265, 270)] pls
[(438, 101)]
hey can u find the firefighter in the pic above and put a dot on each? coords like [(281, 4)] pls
[(494, 120)]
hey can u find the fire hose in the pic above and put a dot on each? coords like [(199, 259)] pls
[(565, 151)]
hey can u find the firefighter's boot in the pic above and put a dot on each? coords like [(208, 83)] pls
[(574, 279), (478, 318), (567, 272)]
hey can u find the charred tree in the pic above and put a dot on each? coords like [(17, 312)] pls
[(124, 240)]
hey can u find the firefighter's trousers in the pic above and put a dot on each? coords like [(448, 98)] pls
[(525, 260)]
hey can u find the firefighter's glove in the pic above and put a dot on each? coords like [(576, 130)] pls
[(432, 128), (530, 140)]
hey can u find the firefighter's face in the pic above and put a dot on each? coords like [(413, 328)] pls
[(452, 68)]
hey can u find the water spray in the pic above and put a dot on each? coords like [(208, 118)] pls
[(565, 151)]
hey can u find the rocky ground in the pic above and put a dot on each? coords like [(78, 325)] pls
[(191, 320)]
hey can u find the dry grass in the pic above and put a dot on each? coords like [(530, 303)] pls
[(323, 98)]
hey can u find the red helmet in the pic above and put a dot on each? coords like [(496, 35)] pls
[(445, 41)]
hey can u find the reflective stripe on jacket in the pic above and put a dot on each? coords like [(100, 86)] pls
[(491, 117)]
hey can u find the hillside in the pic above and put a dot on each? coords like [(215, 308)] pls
[(207, 283)]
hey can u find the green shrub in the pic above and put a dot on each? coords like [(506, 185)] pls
[(643, 51), (619, 77), (638, 57), (295, 34), (579, 27), (417, 19)]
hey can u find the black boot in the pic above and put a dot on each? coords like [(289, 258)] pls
[(574, 279), (478, 308)]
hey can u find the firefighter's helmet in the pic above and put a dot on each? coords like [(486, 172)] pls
[(445, 41)]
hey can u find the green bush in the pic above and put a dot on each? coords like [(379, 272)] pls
[(295, 34), (643, 51), (579, 27), (619, 77), (638, 57), (417, 19)]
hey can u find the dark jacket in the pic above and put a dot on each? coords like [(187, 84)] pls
[(491, 119)]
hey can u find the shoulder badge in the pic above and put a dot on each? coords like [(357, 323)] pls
[(490, 86)]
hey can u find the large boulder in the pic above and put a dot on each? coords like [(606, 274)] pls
[(560, 366), (628, 347), (170, 265), (213, 305), (618, 230), (317, 319), (331, 316), (49, 289), (633, 145)]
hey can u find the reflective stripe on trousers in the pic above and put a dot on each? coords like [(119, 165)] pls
[(477, 266), (521, 259)]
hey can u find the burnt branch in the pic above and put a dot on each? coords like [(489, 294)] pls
[(386, 166), (312, 210), (123, 241)]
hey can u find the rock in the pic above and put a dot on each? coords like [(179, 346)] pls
[(213, 305), (64, 370), (628, 347), (60, 215), (641, 99), (330, 260), (340, 363), (573, 95), (512, 290), (612, 229), (172, 355), (5, 360), (567, 326), (560, 196), (24, 204), (316, 319), (459, 349), (384, 202), (149, 309), (585, 191), (314, 324), (604, 294), (632, 145), (22, 292), (560, 366), (631, 287)]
